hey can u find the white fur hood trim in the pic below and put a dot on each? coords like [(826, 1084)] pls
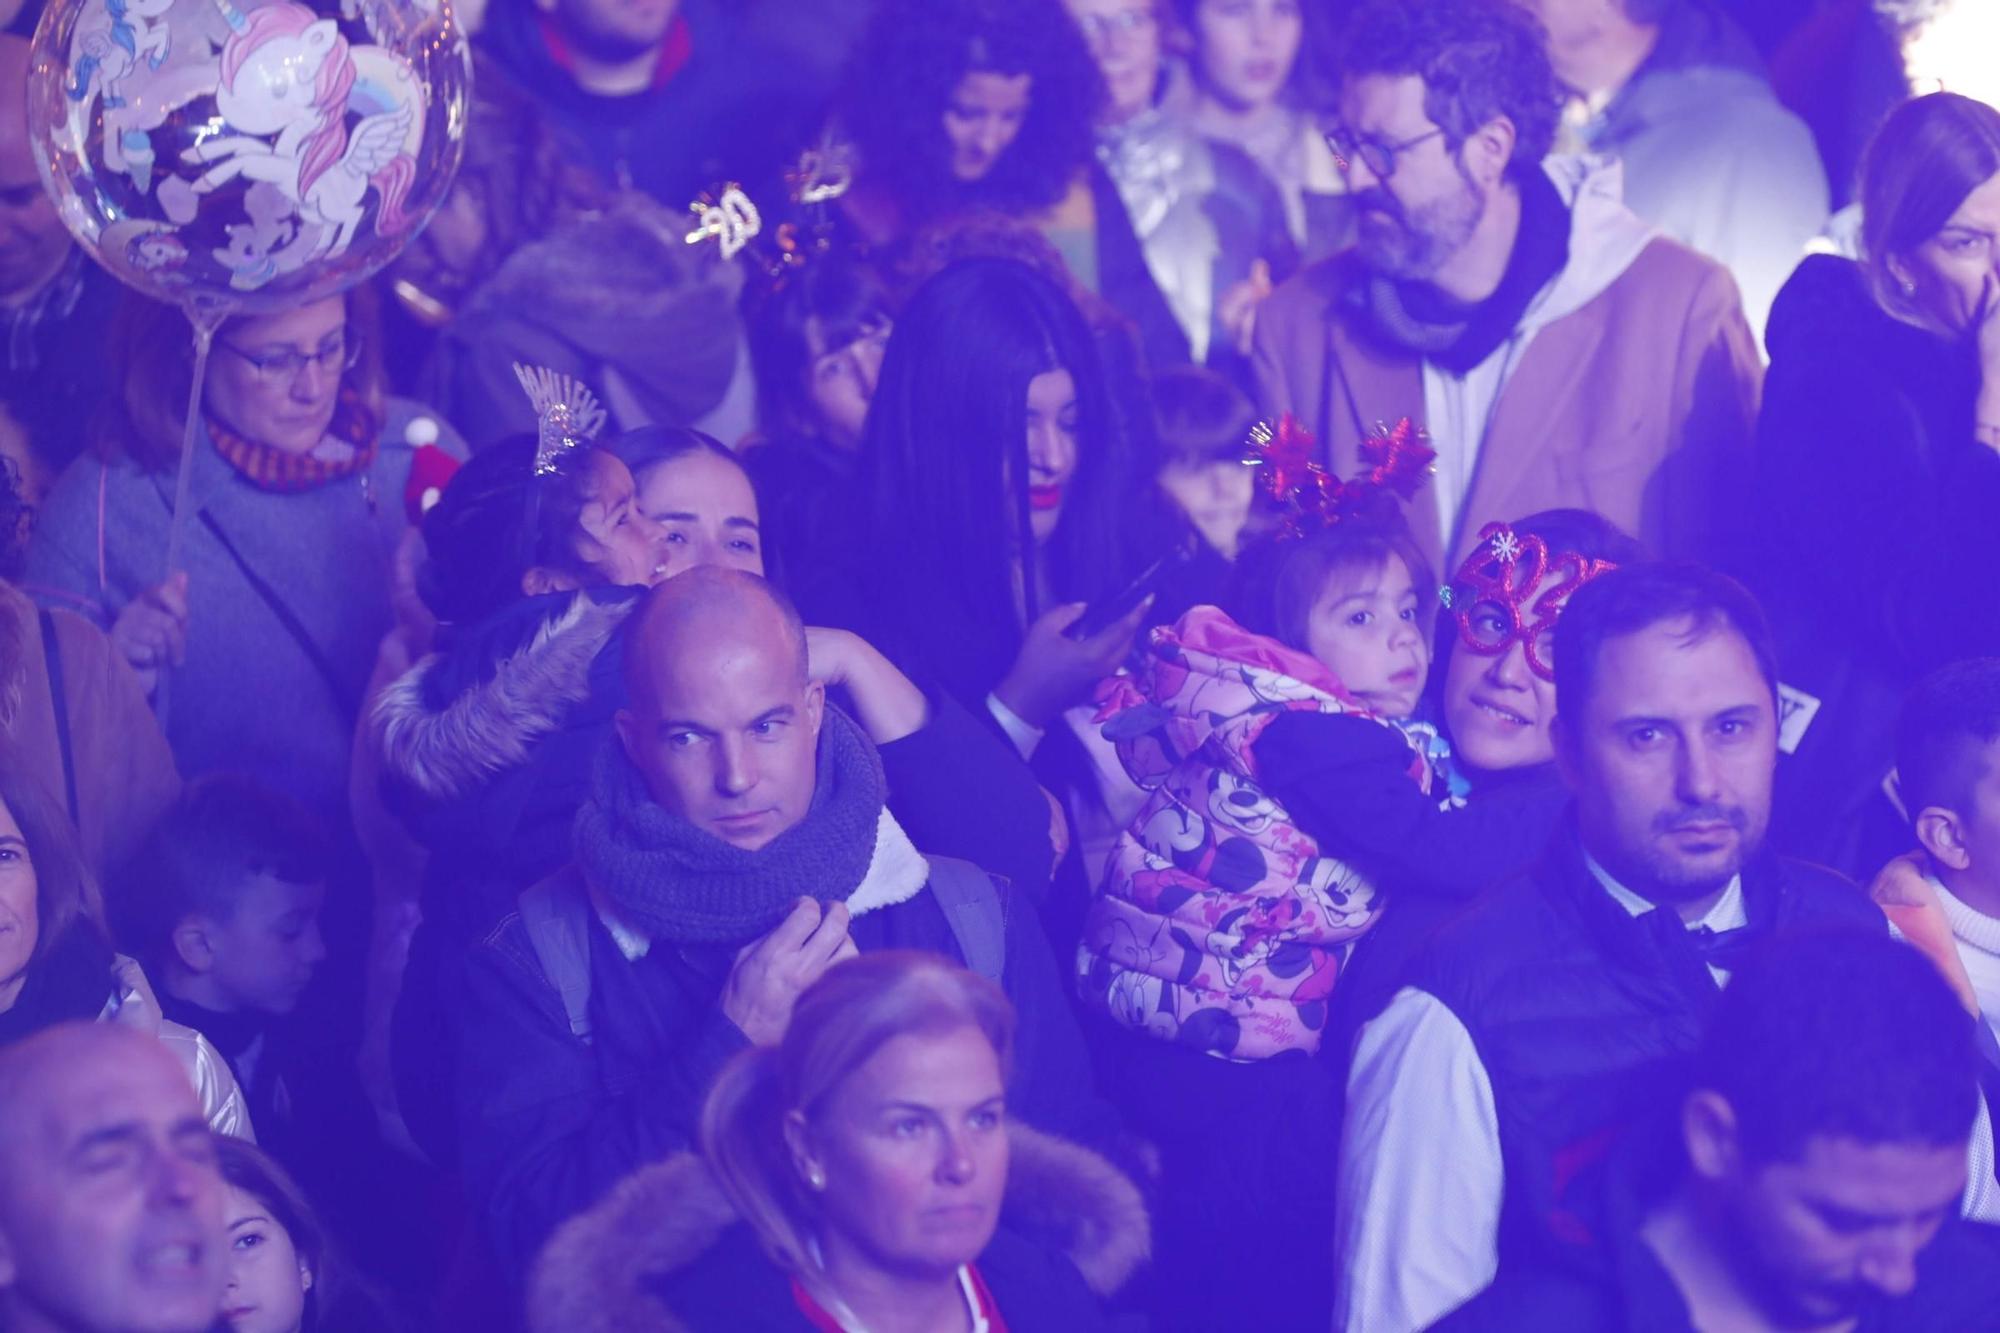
[(597, 1273), (491, 727)]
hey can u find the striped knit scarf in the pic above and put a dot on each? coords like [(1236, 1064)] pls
[(352, 438)]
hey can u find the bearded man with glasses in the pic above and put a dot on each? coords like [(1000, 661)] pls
[(1559, 352)]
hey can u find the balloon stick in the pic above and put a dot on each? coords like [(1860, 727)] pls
[(205, 316)]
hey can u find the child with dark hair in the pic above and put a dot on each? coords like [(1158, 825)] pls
[(1203, 422), (286, 1273), (222, 904), (1293, 795), (1945, 898), (225, 912), (817, 335)]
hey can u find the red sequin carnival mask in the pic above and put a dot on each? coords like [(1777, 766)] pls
[(1510, 590)]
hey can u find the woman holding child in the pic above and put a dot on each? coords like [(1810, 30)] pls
[(1300, 815)]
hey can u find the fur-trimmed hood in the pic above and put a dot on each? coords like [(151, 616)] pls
[(596, 1273), (457, 718)]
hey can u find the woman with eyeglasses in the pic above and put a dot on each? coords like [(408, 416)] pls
[(265, 635)]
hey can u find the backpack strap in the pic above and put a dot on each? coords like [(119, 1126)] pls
[(59, 698), (558, 926), (975, 911)]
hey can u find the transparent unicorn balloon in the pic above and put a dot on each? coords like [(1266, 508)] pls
[(247, 156)]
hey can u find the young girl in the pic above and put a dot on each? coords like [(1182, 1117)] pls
[(1202, 420), (285, 1276), (1223, 923), (1212, 948)]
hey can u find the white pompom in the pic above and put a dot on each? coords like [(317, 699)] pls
[(421, 431)]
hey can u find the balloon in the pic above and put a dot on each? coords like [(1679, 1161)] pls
[(253, 155)]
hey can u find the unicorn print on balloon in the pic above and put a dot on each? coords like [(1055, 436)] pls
[(287, 87), (111, 37), (114, 39)]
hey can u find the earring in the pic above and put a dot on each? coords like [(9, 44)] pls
[(1909, 288), (816, 1178)]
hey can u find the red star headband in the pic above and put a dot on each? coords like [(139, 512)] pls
[(1507, 575), (1310, 496)]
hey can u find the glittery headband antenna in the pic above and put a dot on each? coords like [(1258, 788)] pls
[(1308, 495), (566, 414), (727, 215)]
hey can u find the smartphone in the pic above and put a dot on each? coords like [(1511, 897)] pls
[(1101, 615)]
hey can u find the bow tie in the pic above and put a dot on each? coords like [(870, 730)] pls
[(1722, 949)]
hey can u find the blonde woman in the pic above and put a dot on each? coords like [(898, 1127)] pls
[(862, 1175)]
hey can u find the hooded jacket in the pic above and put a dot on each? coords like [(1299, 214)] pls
[(620, 301), (667, 1253), (1629, 386), (1221, 924)]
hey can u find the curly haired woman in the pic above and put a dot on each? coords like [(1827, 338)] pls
[(960, 107)]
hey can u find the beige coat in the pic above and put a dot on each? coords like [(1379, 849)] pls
[(1631, 389)]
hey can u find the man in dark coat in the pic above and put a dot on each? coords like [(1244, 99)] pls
[(1809, 1178), (1546, 1017), (734, 845)]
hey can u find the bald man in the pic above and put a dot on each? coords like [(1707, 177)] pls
[(54, 303), (110, 1204), (735, 844)]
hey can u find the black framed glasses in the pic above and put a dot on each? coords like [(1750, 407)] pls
[(284, 365), (1375, 154)]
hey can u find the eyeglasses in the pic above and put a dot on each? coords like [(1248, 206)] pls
[(1377, 156), (286, 364)]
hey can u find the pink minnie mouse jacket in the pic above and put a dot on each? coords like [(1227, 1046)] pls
[(1219, 924)]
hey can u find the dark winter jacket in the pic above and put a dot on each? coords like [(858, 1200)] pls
[(1867, 427), (549, 1121), (491, 742), (666, 1253), (1578, 1010), (1615, 1283), (488, 746)]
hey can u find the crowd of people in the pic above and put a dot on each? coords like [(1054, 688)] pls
[(1249, 665)]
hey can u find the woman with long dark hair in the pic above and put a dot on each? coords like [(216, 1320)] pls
[(958, 107), (1881, 425), (1002, 497)]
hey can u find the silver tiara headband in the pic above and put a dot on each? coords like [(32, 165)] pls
[(566, 414)]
